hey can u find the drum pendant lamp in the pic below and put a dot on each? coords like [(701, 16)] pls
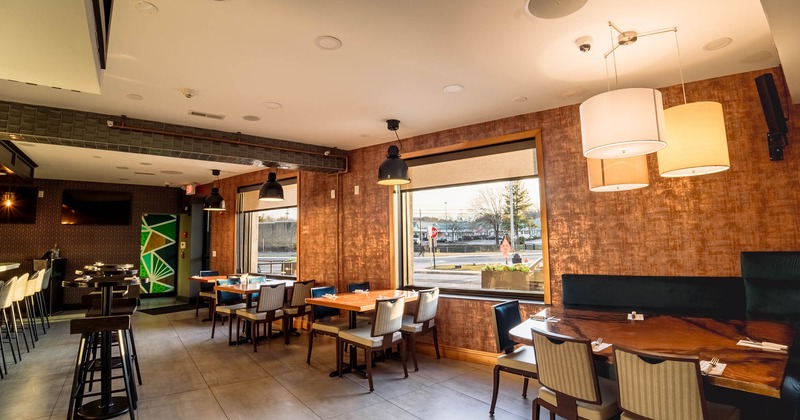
[(271, 190)]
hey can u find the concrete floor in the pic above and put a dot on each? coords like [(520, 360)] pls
[(187, 375)]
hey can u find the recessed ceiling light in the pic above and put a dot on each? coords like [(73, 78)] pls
[(122, 167), (134, 96), (520, 99), (143, 173), (145, 7), (717, 44), (172, 172), (453, 88), (145, 163), (327, 42), (272, 105), (250, 118)]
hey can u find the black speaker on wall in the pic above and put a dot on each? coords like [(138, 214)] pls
[(773, 114)]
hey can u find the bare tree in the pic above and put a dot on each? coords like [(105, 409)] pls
[(488, 209)]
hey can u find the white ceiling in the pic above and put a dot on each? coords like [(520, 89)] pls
[(395, 59)]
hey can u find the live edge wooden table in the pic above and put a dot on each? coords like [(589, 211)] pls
[(355, 303), (107, 406), (750, 370)]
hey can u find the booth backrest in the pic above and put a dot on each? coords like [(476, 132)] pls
[(712, 297), (772, 284)]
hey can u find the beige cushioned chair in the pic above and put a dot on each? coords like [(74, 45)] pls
[(667, 387), (571, 388)]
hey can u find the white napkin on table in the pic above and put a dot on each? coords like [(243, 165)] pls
[(363, 292), (329, 296), (707, 369), (600, 347), (764, 345)]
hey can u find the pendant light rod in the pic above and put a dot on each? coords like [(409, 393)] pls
[(629, 37), (680, 65)]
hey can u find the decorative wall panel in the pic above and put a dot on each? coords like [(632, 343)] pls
[(159, 256)]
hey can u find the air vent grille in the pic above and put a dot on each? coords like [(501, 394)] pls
[(206, 115)]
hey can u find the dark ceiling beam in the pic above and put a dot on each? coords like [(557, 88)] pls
[(40, 124), (13, 162)]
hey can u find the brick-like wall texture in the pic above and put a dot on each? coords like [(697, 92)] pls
[(695, 226), (83, 244)]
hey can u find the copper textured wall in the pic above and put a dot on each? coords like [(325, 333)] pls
[(684, 226)]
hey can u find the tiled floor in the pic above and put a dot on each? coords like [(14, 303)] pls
[(187, 375)]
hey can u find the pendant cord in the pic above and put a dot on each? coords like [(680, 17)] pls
[(614, 53), (680, 65)]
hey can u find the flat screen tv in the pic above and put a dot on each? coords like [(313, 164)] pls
[(85, 207), (22, 208)]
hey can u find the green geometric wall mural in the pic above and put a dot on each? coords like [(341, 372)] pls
[(159, 252)]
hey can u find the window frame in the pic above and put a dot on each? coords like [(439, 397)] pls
[(401, 259)]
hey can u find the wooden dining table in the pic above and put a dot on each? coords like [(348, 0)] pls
[(751, 370), (359, 302), (248, 290)]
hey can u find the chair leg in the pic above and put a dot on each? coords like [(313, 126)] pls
[(339, 356), (197, 307), (253, 335), (76, 378), (525, 387), (126, 371), (37, 298), (367, 358), (22, 326), (404, 356), (45, 311), (310, 344), (31, 317), (230, 330), (287, 328), (8, 333), (214, 326), (135, 356), (495, 388), (536, 409), (34, 336), (412, 340), (435, 342)]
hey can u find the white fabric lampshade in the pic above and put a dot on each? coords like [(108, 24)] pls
[(623, 123), (698, 143), (618, 174)]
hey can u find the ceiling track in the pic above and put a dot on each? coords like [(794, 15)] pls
[(123, 126)]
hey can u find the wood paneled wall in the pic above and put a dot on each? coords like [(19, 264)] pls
[(684, 226)]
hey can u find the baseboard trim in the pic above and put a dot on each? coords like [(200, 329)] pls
[(458, 353)]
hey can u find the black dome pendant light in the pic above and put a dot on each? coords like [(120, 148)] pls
[(214, 202), (271, 190), (393, 170)]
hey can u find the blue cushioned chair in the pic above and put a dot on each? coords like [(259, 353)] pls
[(206, 292)]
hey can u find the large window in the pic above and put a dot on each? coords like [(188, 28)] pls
[(483, 207), (266, 239)]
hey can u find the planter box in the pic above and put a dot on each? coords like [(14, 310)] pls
[(511, 280)]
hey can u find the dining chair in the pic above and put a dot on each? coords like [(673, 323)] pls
[(5, 289), (297, 307), (383, 334), (18, 295), (206, 292), (659, 386), (517, 360), (45, 285), (7, 302), (570, 385), (422, 322), (324, 319), (268, 310), (227, 304), (31, 308), (352, 287)]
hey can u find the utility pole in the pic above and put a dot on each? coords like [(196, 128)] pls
[(511, 212)]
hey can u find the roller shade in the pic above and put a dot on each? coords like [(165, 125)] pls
[(485, 164)]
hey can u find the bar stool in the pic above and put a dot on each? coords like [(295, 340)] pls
[(123, 306), (108, 405)]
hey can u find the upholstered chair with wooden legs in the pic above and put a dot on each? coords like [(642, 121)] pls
[(422, 322), (325, 320), (206, 293), (667, 387), (7, 302), (18, 295), (517, 360), (571, 388), (268, 310), (226, 306), (383, 334), (297, 307)]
